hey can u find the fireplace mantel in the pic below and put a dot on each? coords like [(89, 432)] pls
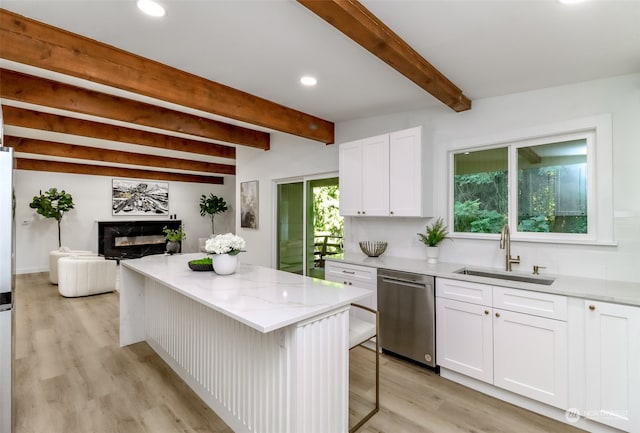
[(133, 239)]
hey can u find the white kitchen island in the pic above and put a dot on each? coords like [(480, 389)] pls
[(267, 350)]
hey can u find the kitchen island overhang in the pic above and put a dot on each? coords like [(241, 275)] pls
[(267, 350)]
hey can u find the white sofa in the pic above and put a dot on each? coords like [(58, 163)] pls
[(56, 255), (86, 275)]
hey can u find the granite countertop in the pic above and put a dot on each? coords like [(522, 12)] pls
[(621, 292), (262, 298)]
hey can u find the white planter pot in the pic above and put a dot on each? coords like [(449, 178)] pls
[(224, 264), (173, 247), (432, 254)]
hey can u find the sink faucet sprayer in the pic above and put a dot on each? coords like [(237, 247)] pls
[(505, 244)]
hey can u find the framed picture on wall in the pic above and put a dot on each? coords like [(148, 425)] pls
[(138, 197), (249, 204)]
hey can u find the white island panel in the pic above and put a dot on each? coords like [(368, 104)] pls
[(291, 379)]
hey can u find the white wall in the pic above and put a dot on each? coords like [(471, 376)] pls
[(618, 96), (289, 157), (36, 236)]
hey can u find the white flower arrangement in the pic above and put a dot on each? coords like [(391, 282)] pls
[(225, 244)]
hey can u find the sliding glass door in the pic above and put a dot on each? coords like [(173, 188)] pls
[(290, 230), (309, 227)]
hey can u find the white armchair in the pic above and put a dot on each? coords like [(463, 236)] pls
[(56, 255), (86, 275)]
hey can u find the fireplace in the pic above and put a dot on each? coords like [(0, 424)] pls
[(133, 239)]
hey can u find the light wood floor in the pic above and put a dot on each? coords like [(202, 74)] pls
[(72, 377)]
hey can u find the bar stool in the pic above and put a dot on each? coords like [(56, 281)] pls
[(361, 331)]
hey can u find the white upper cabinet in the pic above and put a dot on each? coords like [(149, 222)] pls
[(375, 176), (383, 175), (350, 169), (406, 180)]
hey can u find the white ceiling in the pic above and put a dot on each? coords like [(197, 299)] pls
[(487, 48)]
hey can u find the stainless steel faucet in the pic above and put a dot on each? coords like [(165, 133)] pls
[(505, 244)]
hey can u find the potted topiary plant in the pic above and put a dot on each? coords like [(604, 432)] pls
[(435, 233), (53, 204), (174, 237), (212, 206)]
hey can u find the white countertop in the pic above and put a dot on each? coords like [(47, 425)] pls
[(621, 292), (262, 298)]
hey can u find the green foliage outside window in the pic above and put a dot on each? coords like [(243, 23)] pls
[(551, 183), (326, 211), (480, 202)]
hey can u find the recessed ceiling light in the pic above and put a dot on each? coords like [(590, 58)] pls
[(152, 8), (308, 80)]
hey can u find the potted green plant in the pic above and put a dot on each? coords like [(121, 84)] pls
[(53, 204), (212, 206), (174, 237), (434, 234)]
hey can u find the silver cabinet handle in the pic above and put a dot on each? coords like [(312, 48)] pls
[(348, 272)]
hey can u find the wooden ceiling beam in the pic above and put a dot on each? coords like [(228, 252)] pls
[(99, 170), (68, 125), (363, 27), (41, 91), (65, 150), (31, 42)]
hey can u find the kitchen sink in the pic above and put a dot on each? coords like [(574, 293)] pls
[(506, 276)]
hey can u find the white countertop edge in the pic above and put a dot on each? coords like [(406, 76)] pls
[(350, 294), (619, 292)]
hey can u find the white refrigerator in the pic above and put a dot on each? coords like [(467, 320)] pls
[(7, 284)]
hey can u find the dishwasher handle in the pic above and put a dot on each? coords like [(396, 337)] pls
[(405, 282)]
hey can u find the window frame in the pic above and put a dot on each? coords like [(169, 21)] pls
[(597, 132)]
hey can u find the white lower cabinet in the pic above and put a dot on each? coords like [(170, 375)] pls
[(359, 276), (486, 339), (612, 364), (464, 338), (530, 356)]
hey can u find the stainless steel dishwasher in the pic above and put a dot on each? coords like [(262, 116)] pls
[(406, 306)]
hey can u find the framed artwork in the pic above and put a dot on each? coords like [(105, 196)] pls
[(249, 204), (136, 197)]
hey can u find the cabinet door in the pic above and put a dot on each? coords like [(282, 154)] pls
[(612, 349), (350, 172), (405, 173), (464, 338), (360, 276), (530, 356), (375, 176)]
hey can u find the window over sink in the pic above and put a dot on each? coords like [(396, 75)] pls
[(552, 187)]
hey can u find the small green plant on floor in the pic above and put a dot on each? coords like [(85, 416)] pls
[(53, 204), (212, 206)]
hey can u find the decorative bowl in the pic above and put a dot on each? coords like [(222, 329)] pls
[(373, 248), (201, 265)]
